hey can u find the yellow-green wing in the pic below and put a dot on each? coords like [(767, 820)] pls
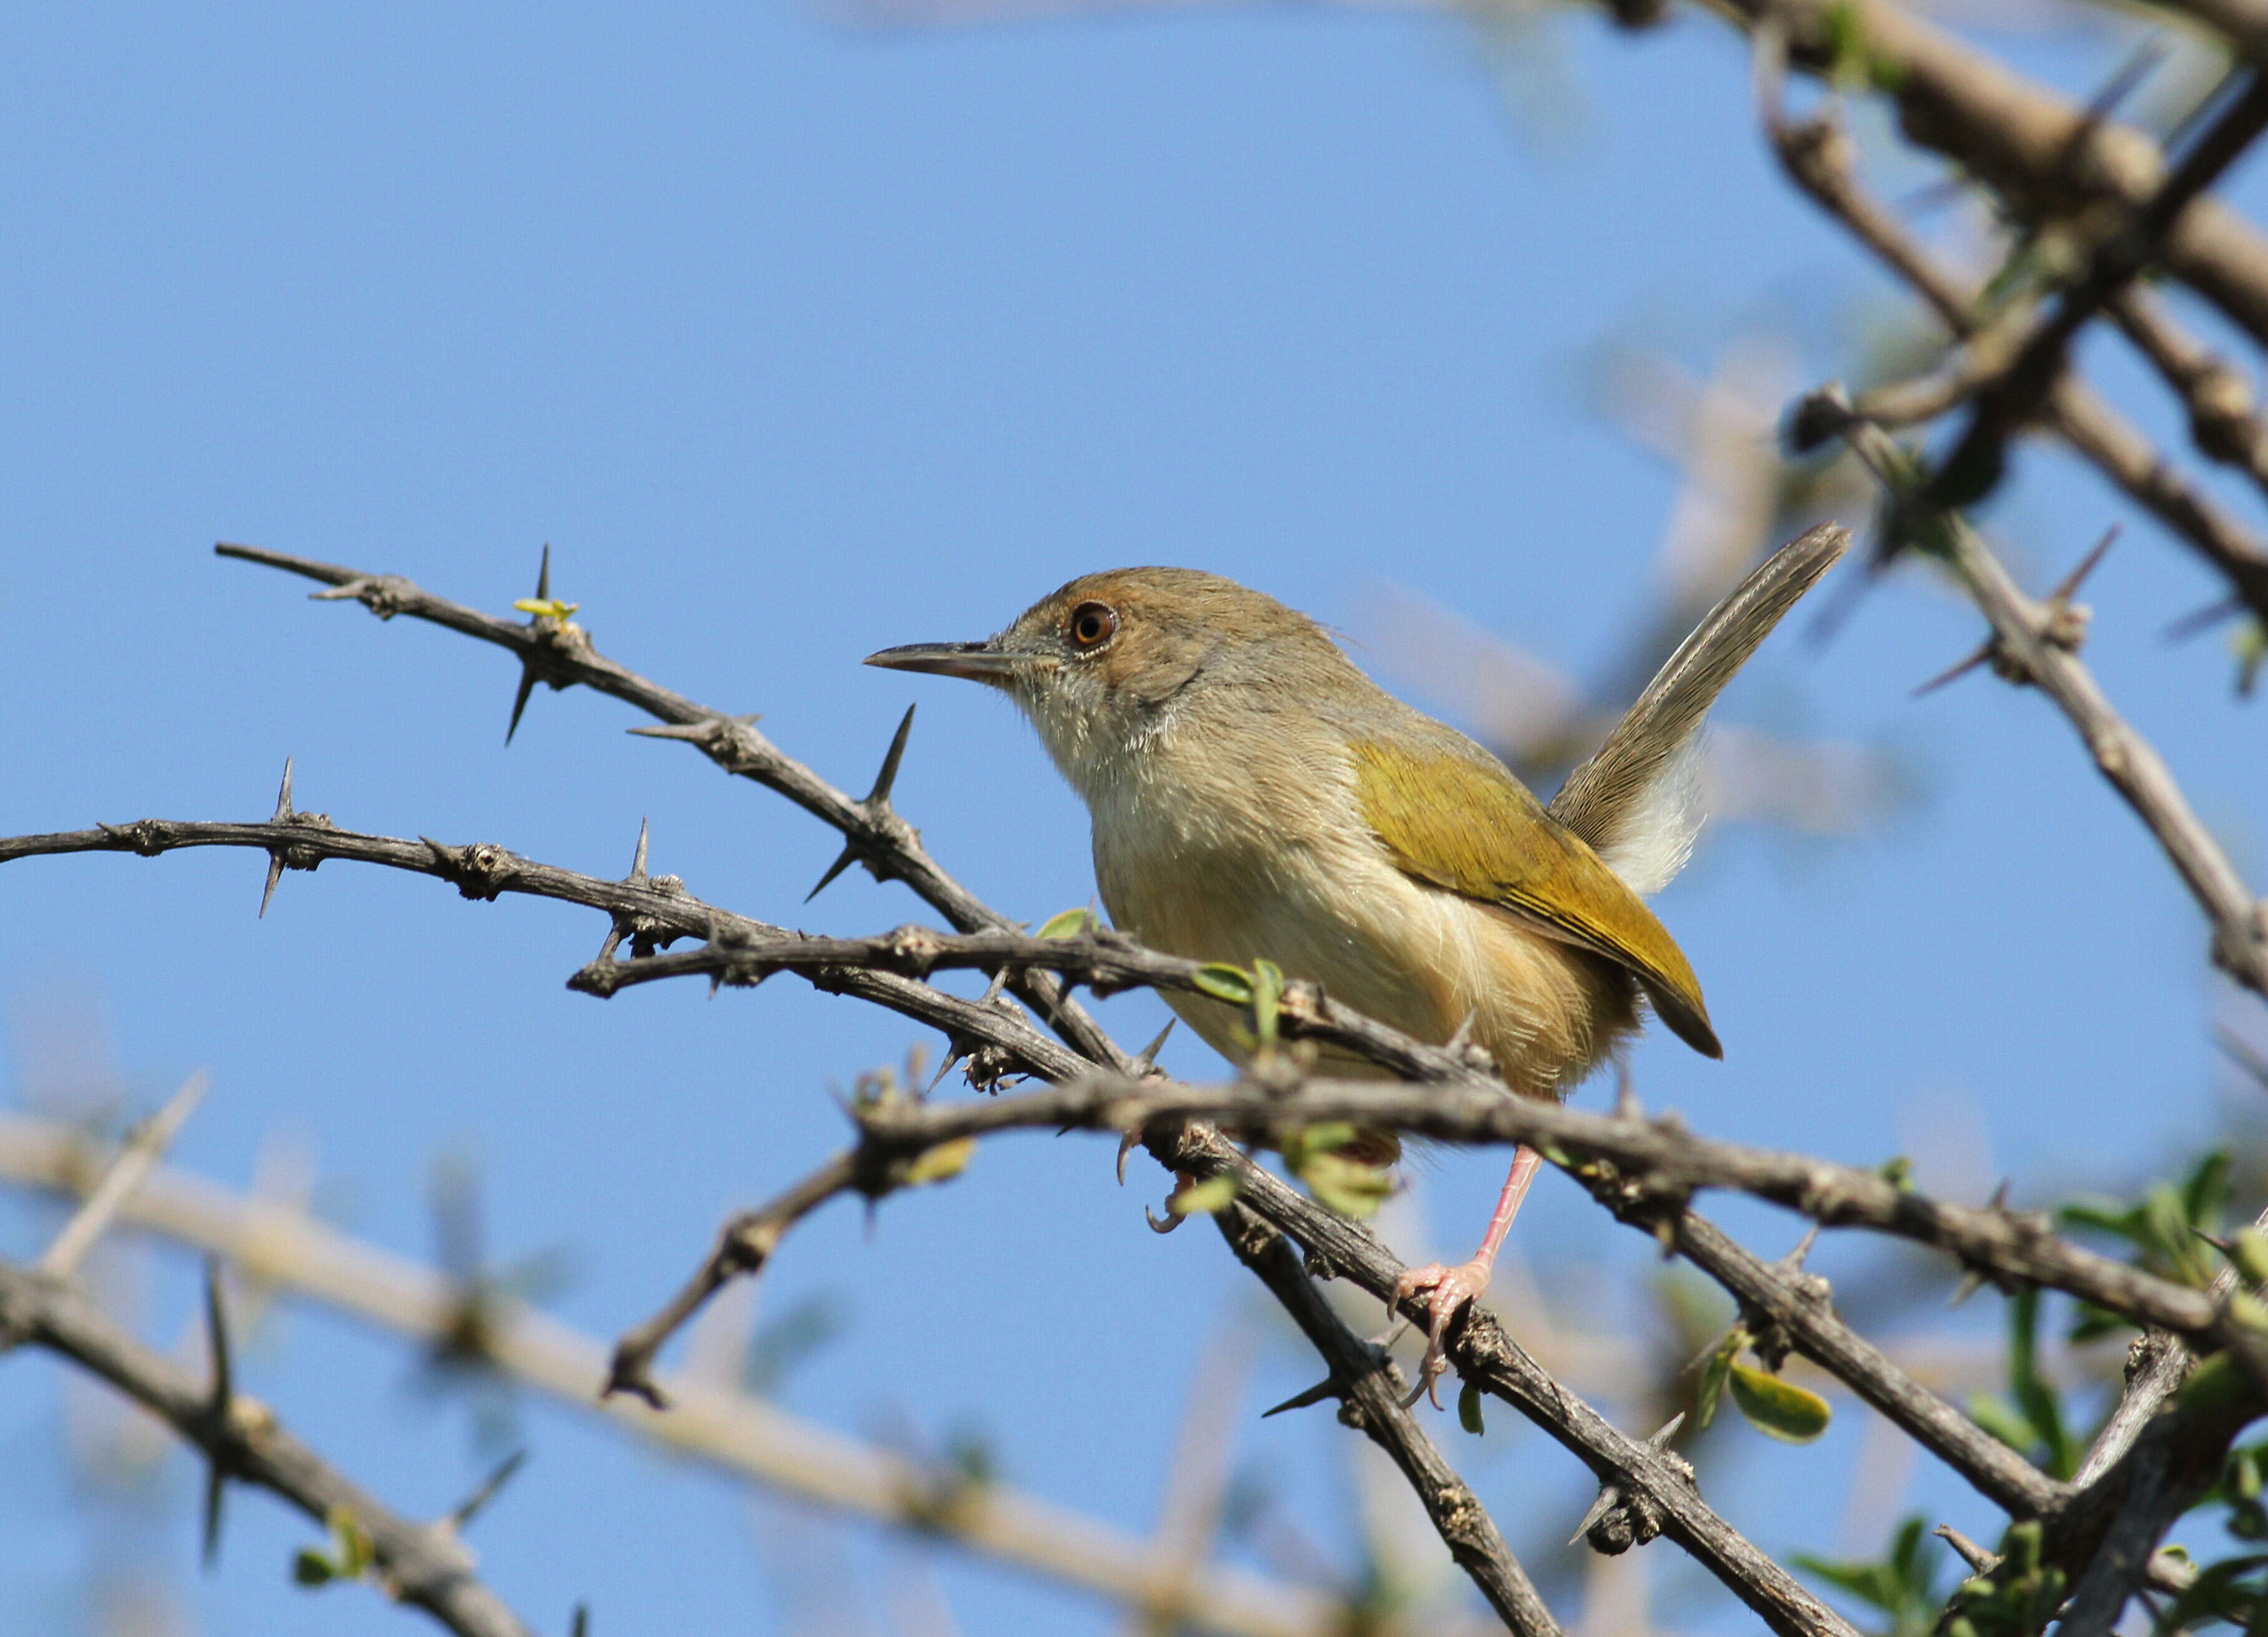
[(1457, 822)]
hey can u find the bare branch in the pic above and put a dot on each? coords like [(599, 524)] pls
[(2046, 155), (743, 1247), (1370, 1391), (416, 1563), (2011, 397)]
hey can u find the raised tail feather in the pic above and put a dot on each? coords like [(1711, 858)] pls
[(1637, 800)]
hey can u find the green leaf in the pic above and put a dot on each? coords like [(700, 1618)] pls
[(1846, 46), (547, 607), (2205, 1191), (1468, 1409), (1714, 1375), (1788, 1413), (1996, 1417), (1267, 999), (311, 1567), (1202, 1199), (1068, 924), (355, 1551), (2034, 1397), (1223, 982), (1897, 1171)]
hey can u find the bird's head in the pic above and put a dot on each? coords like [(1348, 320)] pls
[(1109, 664)]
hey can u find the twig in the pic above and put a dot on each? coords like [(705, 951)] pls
[(2009, 399), (416, 1563), (1656, 1164), (1370, 1391), (1660, 1485), (742, 1246), (1815, 153), (2027, 634), (2225, 422), (559, 653), (2047, 156), (2155, 1365)]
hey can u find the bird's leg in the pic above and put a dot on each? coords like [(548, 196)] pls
[(1453, 1287)]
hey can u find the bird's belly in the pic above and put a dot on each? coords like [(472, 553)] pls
[(1408, 954)]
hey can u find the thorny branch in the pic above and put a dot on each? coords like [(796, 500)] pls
[(554, 651), (1462, 1103), (1645, 1170), (2037, 643), (1815, 153), (1372, 1400), (425, 1565), (273, 1244), (484, 871)]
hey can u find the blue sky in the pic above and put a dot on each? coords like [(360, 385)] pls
[(796, 339)]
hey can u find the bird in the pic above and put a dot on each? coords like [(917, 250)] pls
[(1254, 796)]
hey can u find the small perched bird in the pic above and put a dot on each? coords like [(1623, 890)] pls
[(1256, 797)]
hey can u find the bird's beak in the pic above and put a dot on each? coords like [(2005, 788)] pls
[(978, 662)]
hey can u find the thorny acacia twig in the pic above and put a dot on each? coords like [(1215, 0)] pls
[(2038, 649), (1370, 1391), (421, 1564), (1463, 1103), (557, 651)]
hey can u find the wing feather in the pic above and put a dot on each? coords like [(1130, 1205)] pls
[(1454, 819)]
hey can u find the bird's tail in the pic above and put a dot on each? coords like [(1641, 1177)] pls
[(1637, 800)]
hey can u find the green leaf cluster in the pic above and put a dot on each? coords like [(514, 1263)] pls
[(2168, 1230), (1905, 1584), (1351, 1186)]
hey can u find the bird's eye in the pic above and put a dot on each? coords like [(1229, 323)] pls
[(1092, 624)]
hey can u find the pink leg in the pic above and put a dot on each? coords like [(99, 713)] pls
[(1453, 1287)]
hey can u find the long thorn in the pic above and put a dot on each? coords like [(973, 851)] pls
[(879, 795), (142, 1148), (844, 860), (543, 576), (637, 859), (1327, 1387), (2074, 581), (282, 814), (520, 699), (223, 1403), (470, 1505)]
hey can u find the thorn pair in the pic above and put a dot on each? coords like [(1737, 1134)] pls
[(2063, 626), (1611, 1497), (876, 805), (546, 617)]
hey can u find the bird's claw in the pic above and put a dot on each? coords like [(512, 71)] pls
[(1451, 1287)]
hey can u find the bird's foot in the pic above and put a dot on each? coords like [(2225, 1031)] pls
[(1452, 1288)]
